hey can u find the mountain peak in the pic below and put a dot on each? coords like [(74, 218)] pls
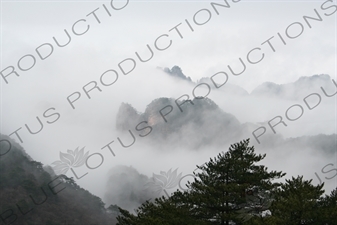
[(176, 71), (127, 116), (294, 90)]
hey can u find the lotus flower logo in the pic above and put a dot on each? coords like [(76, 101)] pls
[(163, 181), (69, 160)]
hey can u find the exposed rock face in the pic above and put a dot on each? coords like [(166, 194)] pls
[(127, 117), (177, 72), (199, 122)]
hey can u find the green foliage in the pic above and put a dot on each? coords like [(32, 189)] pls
[(162, 211), (232, 189), (217, 194), (328, 208), (23, 181), (297, 202), (220, 192)]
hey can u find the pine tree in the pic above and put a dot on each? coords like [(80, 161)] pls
[(230, 189), (297, 203), (328, 212), (163, 211), (219, 193)]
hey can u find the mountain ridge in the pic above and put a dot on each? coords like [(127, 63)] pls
[(31, 195), (292, 90)]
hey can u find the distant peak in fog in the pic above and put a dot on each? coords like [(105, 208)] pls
[(176, 71), (125, 122), (227, 88), (295, 90), (183, 127), (125, 188), (292, 91), (314, 78)]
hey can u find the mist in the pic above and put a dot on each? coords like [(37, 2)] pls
[(56, 91)]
